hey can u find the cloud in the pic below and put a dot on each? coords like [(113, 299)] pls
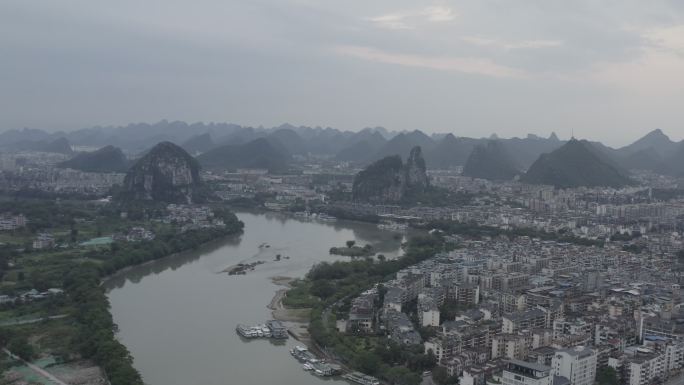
[(511, 45), (391, 21), (668, 38), (411, 19), (439, 14), (469, 65)]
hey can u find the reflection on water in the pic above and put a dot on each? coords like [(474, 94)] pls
[(177, 315), (135, 273)]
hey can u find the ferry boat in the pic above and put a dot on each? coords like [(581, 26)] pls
[(361, 378), (302, 354), (246, 331), (272, 329), (277, 329)]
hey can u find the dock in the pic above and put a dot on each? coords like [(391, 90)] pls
[(271, 329), (313, 364), (360, 378)]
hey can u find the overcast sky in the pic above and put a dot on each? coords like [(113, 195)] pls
[(611, 70)]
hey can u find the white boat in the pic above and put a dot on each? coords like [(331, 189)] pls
[(326, 218), (307, 367), (361, 378)]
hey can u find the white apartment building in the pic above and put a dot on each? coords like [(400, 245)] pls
[(577, 364)]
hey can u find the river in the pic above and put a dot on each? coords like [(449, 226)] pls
[(177, 315)]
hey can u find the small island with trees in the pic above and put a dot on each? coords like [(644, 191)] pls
[(353, 250)]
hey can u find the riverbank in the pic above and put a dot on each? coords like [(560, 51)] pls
[(145, 303), (334, 284), (205, 246), (296, 320), (96, 329)]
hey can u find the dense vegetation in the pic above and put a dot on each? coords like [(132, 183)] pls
[(89, 330), (134, 253), (96, 334), (351, 250), (45, 213)]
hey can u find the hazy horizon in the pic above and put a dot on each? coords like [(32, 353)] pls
[(561, 136), (609, 71)]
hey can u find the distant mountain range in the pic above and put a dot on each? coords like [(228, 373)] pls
[(577, 163), (106, 159), (258, 153), (655, 151), (490, 161), (199, 144), (59, 145)]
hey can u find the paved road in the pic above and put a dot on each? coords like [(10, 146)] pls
[(37, 369), (33, 321)]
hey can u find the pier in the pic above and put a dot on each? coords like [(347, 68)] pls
[(271, 329)]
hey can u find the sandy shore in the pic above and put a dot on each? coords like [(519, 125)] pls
[(296, 320), (283, 281)]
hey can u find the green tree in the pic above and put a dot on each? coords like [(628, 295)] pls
[(367, 362), (322, 289), (351, 244), (606, 376), (400, 375), (440, 375), (19, 345)]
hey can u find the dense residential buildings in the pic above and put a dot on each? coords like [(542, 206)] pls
[(12, 222), (566, 312)]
